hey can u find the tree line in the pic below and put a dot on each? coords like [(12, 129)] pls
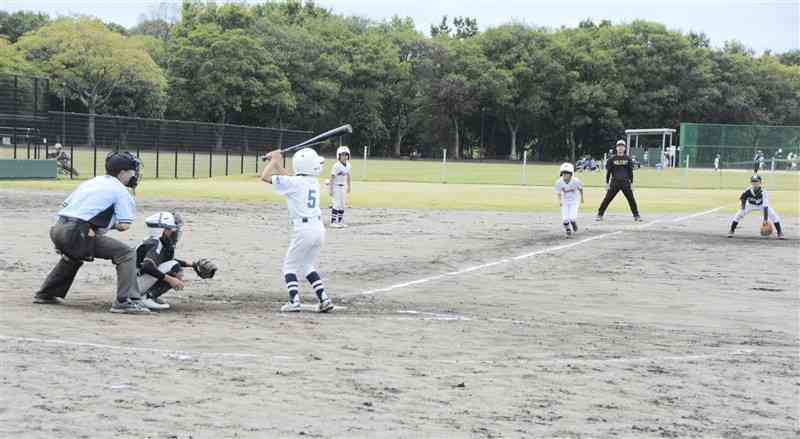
[(561, 93)]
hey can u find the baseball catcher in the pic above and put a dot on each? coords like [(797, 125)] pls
[(159, 269)]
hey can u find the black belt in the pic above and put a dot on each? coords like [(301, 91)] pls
[(340, 185), (69, 219)]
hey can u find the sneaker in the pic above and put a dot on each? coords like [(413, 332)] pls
[(638, 219), (780, 236), (291, 307), (325, 306), (336, 226), (160, 301), (574, 227), (569, 232), (730, 233), (47, 300), (151, 304), (342, 225), (598, 217), (128, 307)]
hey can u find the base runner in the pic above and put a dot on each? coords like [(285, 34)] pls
[(569, 191)]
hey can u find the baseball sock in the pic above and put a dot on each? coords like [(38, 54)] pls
[(316, 283), (292, 286), (334, 215), (574, 226), (733, 226), (778, 228), (341, 215)]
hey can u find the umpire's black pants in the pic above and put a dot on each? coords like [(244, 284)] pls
[(60, 279), (613, 189)]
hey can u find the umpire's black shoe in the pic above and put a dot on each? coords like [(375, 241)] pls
[(637, 218), (47, 300)]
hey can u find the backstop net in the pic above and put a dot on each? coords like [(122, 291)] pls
[(744, 147)]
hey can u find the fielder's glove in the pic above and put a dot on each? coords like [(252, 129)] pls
[(766, 228), (204, 268)]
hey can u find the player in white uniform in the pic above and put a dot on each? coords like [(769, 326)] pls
[(569, 191), (752, 199), (340, 185), (302, 198)]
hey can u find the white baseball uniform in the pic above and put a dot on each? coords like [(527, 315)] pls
[(755, 202), (302, 198), (570, 197), (339, 174)]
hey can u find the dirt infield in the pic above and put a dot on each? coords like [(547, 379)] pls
[(665, 329)]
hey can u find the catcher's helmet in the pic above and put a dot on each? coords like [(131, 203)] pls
[(165, 221), (307, 162), (755, 179), (118, 161), (342, 150), (568, 168)]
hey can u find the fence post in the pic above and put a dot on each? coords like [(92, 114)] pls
[(364, 171), (158, 159), (194, 160), (444, 166), (176, 162), (14, 123), (525, 167), (241, 172), (28, 141), (94, 171), (71, 160), (227, 153), (256, 160), (210, 160)]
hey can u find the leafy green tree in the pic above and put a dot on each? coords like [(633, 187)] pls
[(14, 25), (89, 63), (218, 75)]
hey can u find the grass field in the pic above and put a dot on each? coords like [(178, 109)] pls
[(408, 195), (377, 170)]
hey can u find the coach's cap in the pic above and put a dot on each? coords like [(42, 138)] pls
[(620, 142), (755, 179)]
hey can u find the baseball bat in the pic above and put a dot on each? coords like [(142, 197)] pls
[(316, 140)]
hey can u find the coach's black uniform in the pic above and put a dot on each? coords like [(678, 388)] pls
[(619, 177)]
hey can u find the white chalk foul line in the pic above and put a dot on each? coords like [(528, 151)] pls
[(125, 348), (684, 218), (479, 267)]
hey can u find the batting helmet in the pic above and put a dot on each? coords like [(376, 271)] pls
[(307, 162), (342, 150), (567, 167)]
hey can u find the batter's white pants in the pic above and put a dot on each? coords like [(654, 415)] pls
[(339, 197), (569, 211), (771, 214), (146, 281), (304, 249)]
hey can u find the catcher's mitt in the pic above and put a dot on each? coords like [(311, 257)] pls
[(204, 268), (766, 229)]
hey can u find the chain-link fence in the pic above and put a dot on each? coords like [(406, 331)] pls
[(740, 147), (167, 148)]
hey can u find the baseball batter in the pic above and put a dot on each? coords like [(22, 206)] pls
[(340, 185), (569, 191), (302, 193), (752, 199)]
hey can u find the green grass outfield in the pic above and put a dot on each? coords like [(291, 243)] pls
[(419, 195), (417, 171)]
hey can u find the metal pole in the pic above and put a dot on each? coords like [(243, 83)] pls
[(366, 148), (241, 165), (194, 160), (210, 160), (158, 159), (525, 167), (444, 166), (226, 162), (71, 160), (176, 162), (95, 159)]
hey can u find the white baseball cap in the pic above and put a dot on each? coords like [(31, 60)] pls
[(621, 142)]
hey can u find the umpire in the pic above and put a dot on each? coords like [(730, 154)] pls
[(619, 177), (95, 207)]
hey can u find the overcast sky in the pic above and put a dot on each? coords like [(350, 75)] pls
[(759, 24)]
